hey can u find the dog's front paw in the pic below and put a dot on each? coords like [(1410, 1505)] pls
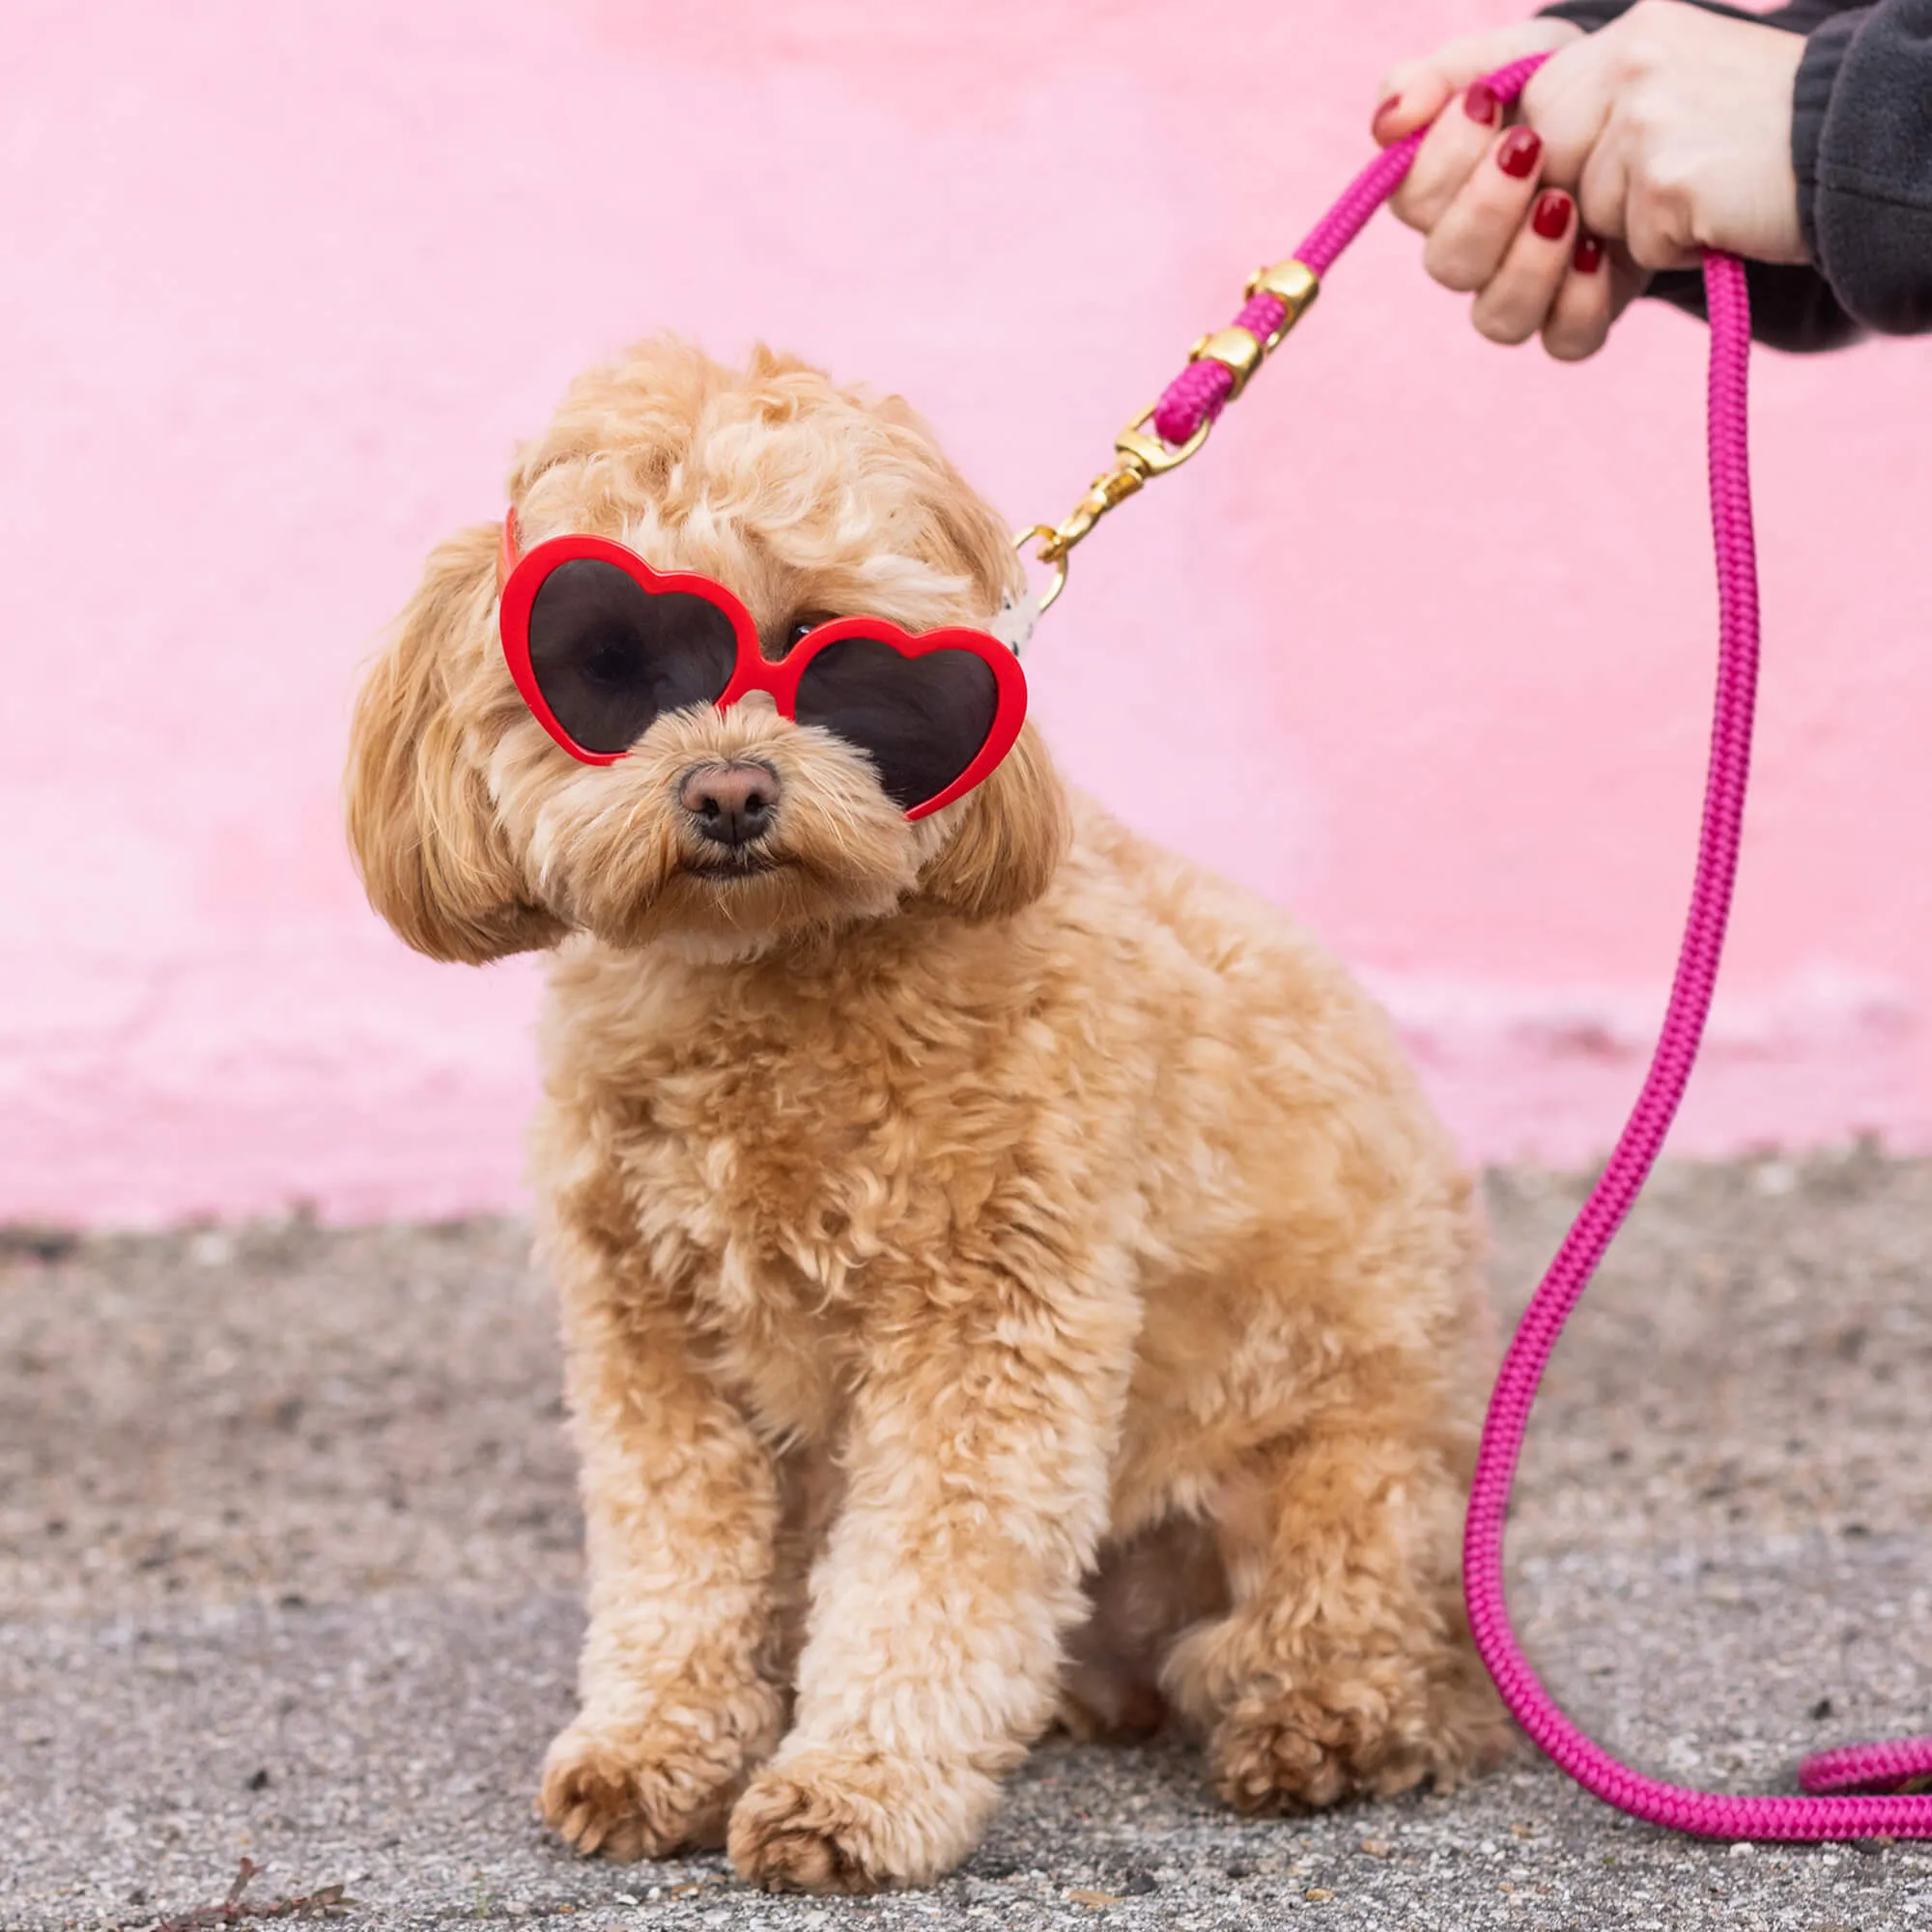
[(855, 1821), (636, 1794)]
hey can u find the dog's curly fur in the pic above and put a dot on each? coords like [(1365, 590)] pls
[(1003, 1268)]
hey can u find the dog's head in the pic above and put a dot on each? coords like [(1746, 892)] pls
[(478, 836)]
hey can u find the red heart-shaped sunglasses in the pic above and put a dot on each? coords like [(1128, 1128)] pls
[(601, 645)]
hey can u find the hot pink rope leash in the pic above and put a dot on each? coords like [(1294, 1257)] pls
[(1195, 398)]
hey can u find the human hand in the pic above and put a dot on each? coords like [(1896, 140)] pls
[(1666, 133)]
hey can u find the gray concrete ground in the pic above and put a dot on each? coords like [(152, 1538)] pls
[(288, 1568)]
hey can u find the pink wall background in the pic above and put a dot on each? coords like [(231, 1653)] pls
[(282, 285)]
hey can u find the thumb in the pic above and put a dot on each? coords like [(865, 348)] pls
[(1415, 92)]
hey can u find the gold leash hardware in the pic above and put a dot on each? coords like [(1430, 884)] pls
[(1142, 454), (1293, 285)]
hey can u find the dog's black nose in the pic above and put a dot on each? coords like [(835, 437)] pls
[(731, 805)]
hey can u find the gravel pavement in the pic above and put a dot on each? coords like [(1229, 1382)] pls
[(289, 1571)]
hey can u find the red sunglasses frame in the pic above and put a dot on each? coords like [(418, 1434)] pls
[(520, 576)]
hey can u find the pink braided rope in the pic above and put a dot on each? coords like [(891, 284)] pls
[(1199, 393), (1856, 1768)]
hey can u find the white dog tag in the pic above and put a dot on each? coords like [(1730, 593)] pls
[(1014, 622)]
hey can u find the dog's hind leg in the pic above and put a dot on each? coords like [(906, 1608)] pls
[(1345, 1666)]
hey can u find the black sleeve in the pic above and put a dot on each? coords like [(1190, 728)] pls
[(1793, 306), (1862, 144), (1799, 17), (1590, 15)]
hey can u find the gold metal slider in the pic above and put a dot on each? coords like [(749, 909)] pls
[(1293, 285), (1235, 350)]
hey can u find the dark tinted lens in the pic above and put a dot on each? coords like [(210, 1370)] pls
[(921, 720), (609, 657)]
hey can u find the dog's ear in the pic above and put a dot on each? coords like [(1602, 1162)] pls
[(1012, 836), (428, 846)]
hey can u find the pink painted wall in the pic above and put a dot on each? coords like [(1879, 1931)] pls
[(280, 285)]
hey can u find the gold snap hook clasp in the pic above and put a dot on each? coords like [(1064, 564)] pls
[(1051, 552)]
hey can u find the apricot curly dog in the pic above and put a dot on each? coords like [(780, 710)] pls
[(1006, 1271)]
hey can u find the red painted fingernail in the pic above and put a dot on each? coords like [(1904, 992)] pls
[(1551, 218), (1382, 112), (1479, 104), (1588, 257), (1518, 151)]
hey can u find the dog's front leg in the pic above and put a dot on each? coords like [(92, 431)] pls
[(681, 1513), (977, 1465)]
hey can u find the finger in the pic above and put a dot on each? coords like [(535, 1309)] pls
[(1515, 303), (1568, 101), (1417, 90), (1466, 245), (1585, 304), (1591, 300), (1411, 94), (1659, 221), (1603, 191), (1450, 153), (1651, 218)]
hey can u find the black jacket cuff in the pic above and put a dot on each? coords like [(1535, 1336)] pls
[(1590, 15), (1811, 95), (1861, 147)]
